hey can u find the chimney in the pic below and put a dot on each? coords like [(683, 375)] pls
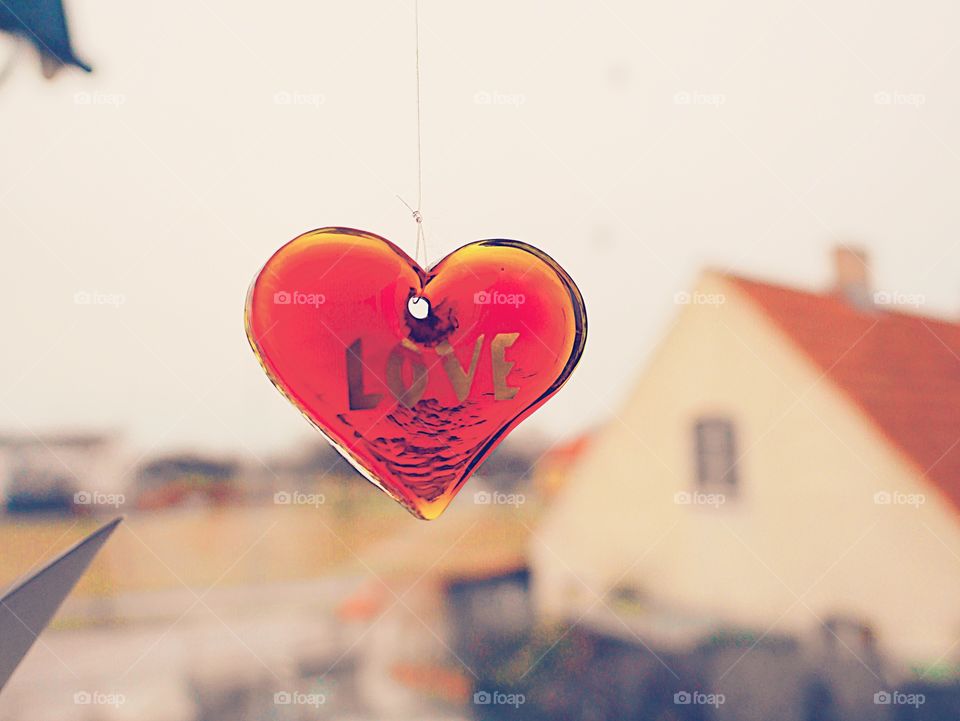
[(851, 267)]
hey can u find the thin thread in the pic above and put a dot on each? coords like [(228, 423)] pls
[(421, 251)]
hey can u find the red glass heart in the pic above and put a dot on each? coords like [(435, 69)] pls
[(415, 404)]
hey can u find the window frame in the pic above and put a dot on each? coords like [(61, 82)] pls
[(723, 430)]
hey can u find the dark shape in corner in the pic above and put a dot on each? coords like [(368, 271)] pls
[(26, 609), (43, 23)]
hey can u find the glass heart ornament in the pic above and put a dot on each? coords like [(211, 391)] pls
[(414, 375)]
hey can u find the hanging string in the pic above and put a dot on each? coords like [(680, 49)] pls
[(420, 253), (417, 216), (420, 257)]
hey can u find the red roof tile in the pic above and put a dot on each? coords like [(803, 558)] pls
[(902, 370), (570, 451), (441, 682)]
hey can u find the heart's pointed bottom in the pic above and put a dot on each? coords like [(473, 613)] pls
[(419, 509)]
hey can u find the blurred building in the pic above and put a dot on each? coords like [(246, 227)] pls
[(59, 472), (178, 479), (554, 467), (311, 468), (789, 461), (511, 465)]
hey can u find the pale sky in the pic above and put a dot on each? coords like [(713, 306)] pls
[(634, 142)]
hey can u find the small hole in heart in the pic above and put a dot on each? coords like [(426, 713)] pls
[(419, 308)]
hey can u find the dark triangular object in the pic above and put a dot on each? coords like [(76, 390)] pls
[(26, 609), (43, 23)]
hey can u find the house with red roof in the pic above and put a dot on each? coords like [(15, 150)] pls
[(788, 464)]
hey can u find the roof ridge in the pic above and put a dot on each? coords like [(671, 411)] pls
[(898, 311)]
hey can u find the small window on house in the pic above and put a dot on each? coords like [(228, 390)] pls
[(716, 451)]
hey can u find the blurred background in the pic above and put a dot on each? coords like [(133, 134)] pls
[(744, 505)]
